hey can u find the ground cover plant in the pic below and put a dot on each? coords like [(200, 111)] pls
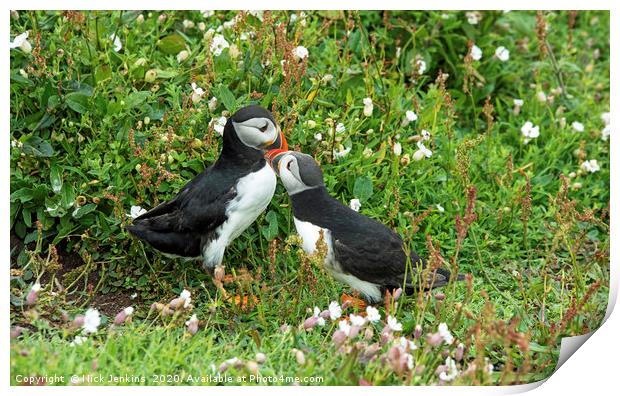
[(480, 137)]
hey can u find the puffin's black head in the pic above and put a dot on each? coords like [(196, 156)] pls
[(298, 171), (256, 128)]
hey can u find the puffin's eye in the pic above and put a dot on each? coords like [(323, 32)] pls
[(288, 166), (264, 127)]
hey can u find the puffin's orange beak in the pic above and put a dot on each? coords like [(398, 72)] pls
[(272, 157)]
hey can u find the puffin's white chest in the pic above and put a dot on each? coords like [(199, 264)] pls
[(310, 234), (254, 192)]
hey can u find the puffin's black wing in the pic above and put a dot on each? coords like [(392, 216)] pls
[(181, 226), (363, 247)]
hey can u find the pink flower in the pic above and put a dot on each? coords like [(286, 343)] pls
[(192, 324), (310, 322), (123, 315), (339, 338), (31, 298)]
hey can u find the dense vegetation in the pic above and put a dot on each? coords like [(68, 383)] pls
[(481, 137)]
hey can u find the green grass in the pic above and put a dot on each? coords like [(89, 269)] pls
[(96, 131)]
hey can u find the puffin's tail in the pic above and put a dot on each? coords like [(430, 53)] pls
[(179, 244)]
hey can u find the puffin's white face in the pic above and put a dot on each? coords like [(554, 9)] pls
[(298, 172), (288, 169), (257, 132)]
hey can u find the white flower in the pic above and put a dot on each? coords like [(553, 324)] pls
[(21, 41), (207, 13), (422, 152), (372, 314), (355, 204), (318, 136), (220, 123), (317, 313), (426, 135), (397, 149), (341, 152), (367, 153), (368, 107), (540, 95), (36, 287), (530, 131), (445, 333), (300, 52), (117, 42), (577, 126), (202, 26), (128, 311), (140, 19), (489, 366), (136, 211), (409, 361), (327, 78), (473, 17), (191, 320), (606, 132), (357, 320), (212, 104), (183, 55), (410, 116), (439, 207), (476, 52), (78, 340), (345, 327), (187, 24), (405, 343), (133, 296), (590, 166), (452, 371), (421, 66), (311, 124), (340, 128), (394, 324), (197, 93), (334, 310), (606, 118), (518, 102), (502, 53), (92, 320), (218, 44), (186, 296)]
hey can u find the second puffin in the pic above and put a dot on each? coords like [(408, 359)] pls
[(361, 252)]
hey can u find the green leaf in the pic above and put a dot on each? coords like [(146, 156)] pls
[(37, 147), (83, 210), (23, 195), (56, 178), (271, 231), (362, 189), (136, 98), (227, 97), (77, 101), (171, 44), (102, 73)]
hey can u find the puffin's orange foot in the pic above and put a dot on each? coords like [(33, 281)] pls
[(354, 301)]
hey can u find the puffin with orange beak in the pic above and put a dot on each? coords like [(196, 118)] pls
[(220, 203), (361, 252)]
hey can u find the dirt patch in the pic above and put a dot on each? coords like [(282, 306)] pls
[(108, 304)]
